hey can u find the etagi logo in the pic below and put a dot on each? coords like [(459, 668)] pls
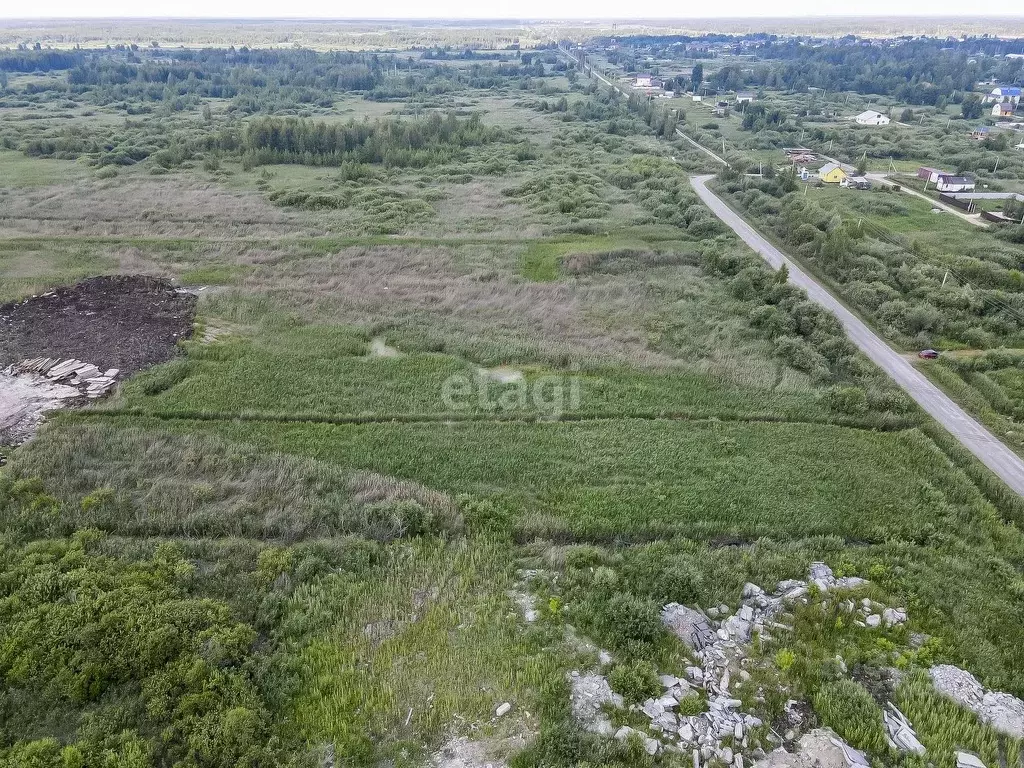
[(503, 390)]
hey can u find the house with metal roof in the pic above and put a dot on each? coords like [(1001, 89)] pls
[(1004, 93)]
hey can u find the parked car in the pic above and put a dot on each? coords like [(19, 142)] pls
[(928, 354)]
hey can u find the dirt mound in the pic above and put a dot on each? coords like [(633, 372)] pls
[(120, 321)]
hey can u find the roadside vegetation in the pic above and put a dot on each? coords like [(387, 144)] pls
[(476, 386)]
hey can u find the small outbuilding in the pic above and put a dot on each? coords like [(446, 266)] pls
[(871, 118)]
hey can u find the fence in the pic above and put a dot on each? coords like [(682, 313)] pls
[(997, 217), (967, 205)]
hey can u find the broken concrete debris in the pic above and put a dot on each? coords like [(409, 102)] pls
[(32, 387), (73, 372), (820, 748), (900, 733), (589, 693), (1002, 711), (968, 760)]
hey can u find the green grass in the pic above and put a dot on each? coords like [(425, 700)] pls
[(18, 171), (542, 261), (637, 479), (945, 728), (324, 372), (387, 661)]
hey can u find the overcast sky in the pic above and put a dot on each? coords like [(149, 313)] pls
[(560, 9)]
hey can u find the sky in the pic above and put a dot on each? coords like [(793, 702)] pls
[(505, 9)]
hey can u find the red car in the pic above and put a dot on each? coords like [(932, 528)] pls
[(928, 354)]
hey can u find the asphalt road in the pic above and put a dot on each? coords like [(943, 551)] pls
[(972, 435)]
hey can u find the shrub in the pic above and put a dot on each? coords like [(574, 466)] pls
[(627, 619), (636, 682), (847, 708)]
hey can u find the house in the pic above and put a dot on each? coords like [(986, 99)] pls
[(871, 118), (831, 173), (855, 182), (1008, 94), (947, 183), (981, 132), (1003, 109), (697, 97), (643, 81), (931, 174), (744, 97)]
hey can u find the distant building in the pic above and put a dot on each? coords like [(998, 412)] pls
[(648, 81), (744, 97), (855, 182), (981, 132), (871, 118), (954, 184), (697, 97), (1008, 94), (831, 173), (1004, 109)]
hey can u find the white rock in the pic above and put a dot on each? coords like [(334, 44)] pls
[(873, 620), (652, 708), (751, 590), (968, 760), (623, 733), (727, 755), (651, 746), (503, 710), (892, 616), (686, 732)]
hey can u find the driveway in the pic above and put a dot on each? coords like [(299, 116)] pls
[(972, 435)]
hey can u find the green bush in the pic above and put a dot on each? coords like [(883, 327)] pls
[(636, 681), (847, 708)]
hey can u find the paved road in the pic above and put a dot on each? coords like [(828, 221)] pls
[(974, 437)]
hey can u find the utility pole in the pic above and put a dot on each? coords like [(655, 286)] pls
[(944, 279)]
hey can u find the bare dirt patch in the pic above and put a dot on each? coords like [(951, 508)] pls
[(124, 322)]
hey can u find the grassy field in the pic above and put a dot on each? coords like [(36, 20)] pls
[(413, 375)]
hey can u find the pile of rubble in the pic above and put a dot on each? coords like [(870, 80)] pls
[(1002, 711), (819, 748), (900, 732), (718, 639), (91, 381), (31, 388)]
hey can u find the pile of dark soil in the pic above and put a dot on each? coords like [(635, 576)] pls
[(126, 322)]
